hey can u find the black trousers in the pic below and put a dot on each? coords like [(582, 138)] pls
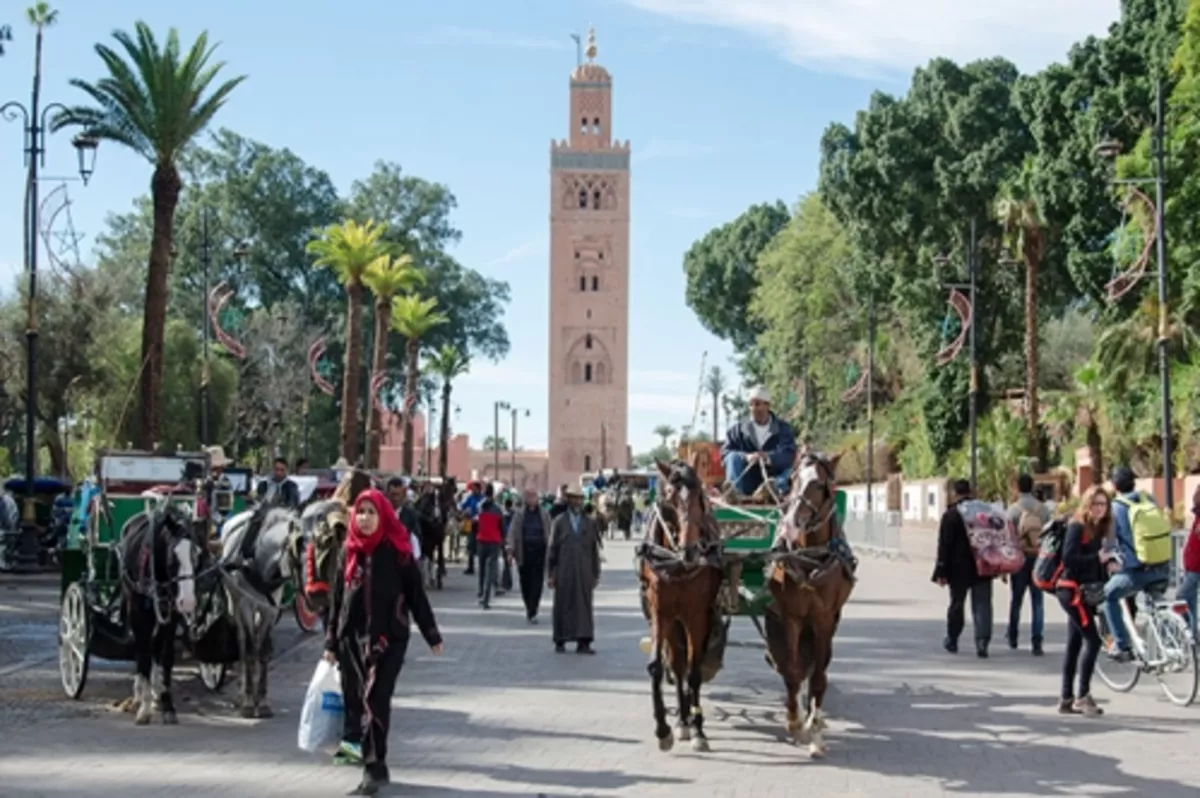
[(533, 577), (367, 695), (981, 610), (1082, 638)]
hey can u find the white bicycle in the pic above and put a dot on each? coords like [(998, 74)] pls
[(1162, 645)]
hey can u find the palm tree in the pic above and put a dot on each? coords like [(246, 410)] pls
[(155, 100), (385, 277), (449, 363), (1024, 231), (1082, 407), (1127, 352), (349, 249), (412, 317), (714, 383), (664, 431)]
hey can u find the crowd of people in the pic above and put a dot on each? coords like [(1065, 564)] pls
[(1106, 555)]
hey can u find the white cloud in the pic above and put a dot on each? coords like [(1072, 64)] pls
[(659, 149), (533, 246), (493, 38), (502, 374), (865, 36)]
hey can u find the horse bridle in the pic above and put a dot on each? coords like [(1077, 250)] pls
[(817, 520)]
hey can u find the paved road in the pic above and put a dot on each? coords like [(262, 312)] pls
[(501, 714)]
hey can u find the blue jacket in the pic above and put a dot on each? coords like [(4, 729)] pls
[(780, 443), (471, 503), (1124, 532)]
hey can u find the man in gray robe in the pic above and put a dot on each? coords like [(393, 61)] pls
[(573, 571)]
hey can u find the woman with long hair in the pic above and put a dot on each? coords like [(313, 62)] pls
[(1084, 564), (377, 589)]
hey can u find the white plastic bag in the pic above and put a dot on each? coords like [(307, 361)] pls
[(321, 716)]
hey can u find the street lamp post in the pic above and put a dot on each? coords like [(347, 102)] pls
[(35, 124), (240, 252), (513, 443), (496, 408), (973, 391), (1112, 148), (871, 402)]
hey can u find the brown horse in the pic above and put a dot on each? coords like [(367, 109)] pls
[(810, 585), (680, 569)]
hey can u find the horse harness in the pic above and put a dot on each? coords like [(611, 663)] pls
[(674, 562), (148, 583)]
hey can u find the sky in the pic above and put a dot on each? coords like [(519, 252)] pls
[(724, 102)]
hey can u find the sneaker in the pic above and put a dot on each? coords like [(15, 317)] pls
[(1087, 705), (1120, 655), (348, 753), (1037, 648), (1066, 706)]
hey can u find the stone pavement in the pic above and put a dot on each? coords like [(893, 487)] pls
[(501, 714)]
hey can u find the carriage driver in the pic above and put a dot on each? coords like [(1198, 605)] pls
[(763, 441)]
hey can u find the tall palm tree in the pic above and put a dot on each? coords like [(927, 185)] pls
[(1024, 231), (154, 100), (413, 317), (449, 363), (714, 383), (664, 431), (1083, 407), (386, 277), (349, 249)]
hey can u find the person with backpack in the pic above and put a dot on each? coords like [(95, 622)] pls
[(956, 569), (1028, 515), (1189, 584), (1078, 568), (1143, 555)]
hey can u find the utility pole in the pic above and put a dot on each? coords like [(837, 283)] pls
[(972, 268), (871, 400), (496, 408), (1164, 366)]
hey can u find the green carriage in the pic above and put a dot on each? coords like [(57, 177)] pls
[(91, 613)]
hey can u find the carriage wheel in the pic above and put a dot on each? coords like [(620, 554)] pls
[(307, 619), (74, 635), (212, 675)]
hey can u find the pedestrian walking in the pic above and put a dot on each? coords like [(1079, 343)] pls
[(573, 572), (376, 591), (1028, 515), (470, 509), (1081, 585), (489, 538), (956, 570), (1189, 584), (528, 535)]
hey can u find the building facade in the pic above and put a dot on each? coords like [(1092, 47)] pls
[(589, 284)]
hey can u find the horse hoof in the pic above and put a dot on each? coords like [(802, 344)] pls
[(142, 719), (127, 705), (666, 743), (700, 745), (263, 711), (683, 734), (169, 718), (246, 711), (817, 750), (798, 733)]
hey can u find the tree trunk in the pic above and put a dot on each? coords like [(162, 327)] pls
[(351, 371), (164, 188), (1031, 356), (383, 319), (444, 435), (1095, 452), (716, 415), (413, 349)]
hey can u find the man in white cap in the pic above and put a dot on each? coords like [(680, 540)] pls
[(763, 442)]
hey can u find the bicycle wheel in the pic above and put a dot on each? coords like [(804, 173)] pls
[(1119, 676), (1178, 677)]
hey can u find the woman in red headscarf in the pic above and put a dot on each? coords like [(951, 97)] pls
[(374, 594)]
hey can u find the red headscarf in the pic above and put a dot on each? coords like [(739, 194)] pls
[(359, 546)]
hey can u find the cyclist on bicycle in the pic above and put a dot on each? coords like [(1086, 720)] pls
[(1139, 547)]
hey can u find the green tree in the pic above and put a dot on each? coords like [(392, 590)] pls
[(413, 317), (448, 363), (722, 275), (154, 100), (348, 250), (491, 443), (664, 432), (385, 277)]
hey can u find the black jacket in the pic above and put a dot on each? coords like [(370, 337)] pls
[(287, 496), (1080, 558), (955, 559), (374, 610)]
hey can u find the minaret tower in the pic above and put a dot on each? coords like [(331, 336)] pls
[(589, 284)]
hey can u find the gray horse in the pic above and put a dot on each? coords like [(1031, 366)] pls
[(254, 573)]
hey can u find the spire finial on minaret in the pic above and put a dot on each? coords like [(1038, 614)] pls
[(591, 46)]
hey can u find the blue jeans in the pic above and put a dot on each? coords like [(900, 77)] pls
[(1020, 582), (747, 479), (1188, 589), (1124, 584)]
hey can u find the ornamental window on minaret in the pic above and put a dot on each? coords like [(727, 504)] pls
[(589, 283)]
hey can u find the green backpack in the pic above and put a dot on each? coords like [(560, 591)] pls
[(1151, 530)]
